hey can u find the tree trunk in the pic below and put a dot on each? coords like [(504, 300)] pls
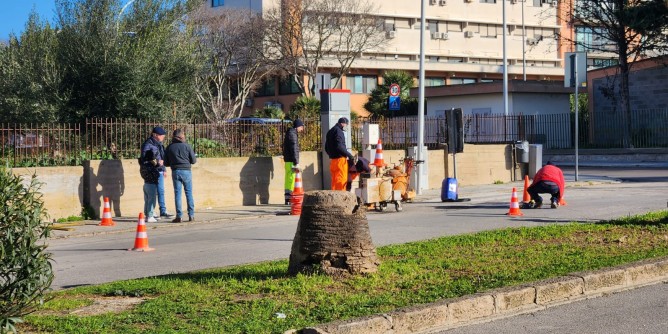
[(332, 236)]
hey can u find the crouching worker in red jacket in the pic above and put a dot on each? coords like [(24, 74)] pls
[(548, 180)]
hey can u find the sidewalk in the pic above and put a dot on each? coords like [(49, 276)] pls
[(125, 224)]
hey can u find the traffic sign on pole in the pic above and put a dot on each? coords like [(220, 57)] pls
[(395, 89)]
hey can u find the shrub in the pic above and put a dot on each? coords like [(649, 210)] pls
[(306, 108), (25, 267)]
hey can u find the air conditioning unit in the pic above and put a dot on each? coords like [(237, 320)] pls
[(513, 1), (554, 3), (531, 41), (442, 2), (444, 35), (389, 26), (435, 35), (468, 34), (248, 102), (432, 2), (391, 34), (468, 0)]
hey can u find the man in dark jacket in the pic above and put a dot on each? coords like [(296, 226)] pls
[(291, 157), (549, 179), (180, 157), (154, 144), (335, 146)]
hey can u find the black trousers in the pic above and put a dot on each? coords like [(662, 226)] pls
[(544, 187)]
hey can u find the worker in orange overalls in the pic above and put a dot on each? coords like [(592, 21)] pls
[(550, 180), (335, 147)]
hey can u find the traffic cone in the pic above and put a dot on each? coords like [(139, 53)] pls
[(297, 196), (378, 160), (141, 240), (562, 202), (514, 205), (106, 214), (526, 198)]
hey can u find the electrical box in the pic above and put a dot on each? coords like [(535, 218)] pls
[(371, 134)]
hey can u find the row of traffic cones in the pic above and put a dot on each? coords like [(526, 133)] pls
[(141, 238)]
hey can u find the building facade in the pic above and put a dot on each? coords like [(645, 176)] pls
[(463, 44)]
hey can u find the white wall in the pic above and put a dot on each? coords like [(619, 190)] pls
[(436, 105), (535, 104)]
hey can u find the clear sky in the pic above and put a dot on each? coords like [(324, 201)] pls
[(14, 14)]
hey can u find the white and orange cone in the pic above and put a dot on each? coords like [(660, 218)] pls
[(514, 205), (297, 196), (141, 240), (526, 198), (378, 160), (106, 214)]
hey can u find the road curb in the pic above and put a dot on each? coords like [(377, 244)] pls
[(503, 302)]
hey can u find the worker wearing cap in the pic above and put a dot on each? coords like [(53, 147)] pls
[(335, 147), (154, 144), (291, 157)]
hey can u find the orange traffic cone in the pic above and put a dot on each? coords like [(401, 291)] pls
[(526, 198), (514, 205), (378, 160), (562, 202), (106, 214), (297, 196), (141, 240)]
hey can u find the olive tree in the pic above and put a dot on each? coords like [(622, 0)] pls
[(25, 266)]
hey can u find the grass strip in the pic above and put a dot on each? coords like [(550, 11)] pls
[(246, 299)]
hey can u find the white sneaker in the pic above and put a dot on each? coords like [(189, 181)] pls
[(151, 220)]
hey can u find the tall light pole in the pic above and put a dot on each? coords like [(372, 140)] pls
[(420, 167), (524, 42), (505, 60)]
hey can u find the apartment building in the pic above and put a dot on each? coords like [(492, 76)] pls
[(463, 44)]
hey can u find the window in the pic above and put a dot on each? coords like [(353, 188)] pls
[(598, 62), (268, 88), (332, 80), (461, 81), (587, 38), (433, 81), (217, 3), (361, 84), (490, 30), (288, 86), (488, 1)]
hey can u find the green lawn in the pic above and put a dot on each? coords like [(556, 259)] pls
[(245, 299)]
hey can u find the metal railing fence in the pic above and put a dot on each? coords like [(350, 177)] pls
[(70, 144)]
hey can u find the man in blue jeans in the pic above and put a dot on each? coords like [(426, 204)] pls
[(154, 144), (180, 156)]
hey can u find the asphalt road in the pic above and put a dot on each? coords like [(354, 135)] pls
[(104, 258), (641, 310)]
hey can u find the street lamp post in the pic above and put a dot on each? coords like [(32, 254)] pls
[(505, 60), (420, 167)]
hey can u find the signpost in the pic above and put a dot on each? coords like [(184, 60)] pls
[(394, 101), (575, 76)]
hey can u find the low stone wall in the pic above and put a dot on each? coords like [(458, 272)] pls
[(220, 182)]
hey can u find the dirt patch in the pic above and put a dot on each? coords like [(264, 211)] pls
[(103, 305)]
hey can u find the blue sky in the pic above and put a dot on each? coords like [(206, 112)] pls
[(14, 14)]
